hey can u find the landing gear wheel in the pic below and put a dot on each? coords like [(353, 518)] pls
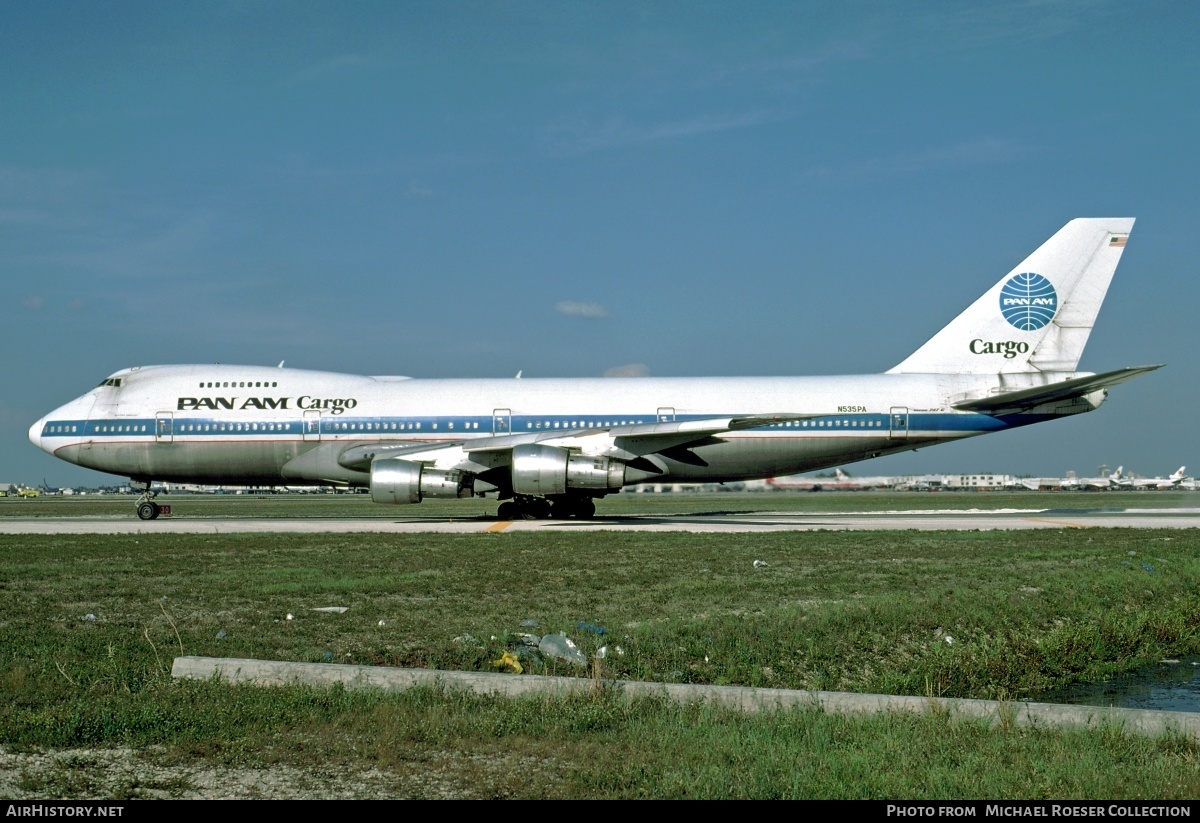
[(507, 511), (585, 509), (147, 510), (538, 509)]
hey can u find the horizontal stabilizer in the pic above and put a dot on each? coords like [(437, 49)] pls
[(1022, 399)]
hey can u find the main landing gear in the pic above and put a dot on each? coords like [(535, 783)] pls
[(524, 507)]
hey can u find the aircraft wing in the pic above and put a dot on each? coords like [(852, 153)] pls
[(1022, 399), (628, 441)]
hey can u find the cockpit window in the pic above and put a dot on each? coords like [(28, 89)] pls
[(115, 382)]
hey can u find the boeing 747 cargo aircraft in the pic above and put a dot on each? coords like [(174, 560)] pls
[(551, 447)]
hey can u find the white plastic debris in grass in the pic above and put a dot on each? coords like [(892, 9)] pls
[(760, 564), (562, 647), (331, 609)]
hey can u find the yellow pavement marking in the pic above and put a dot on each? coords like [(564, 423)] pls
[(1060, 523), (499, 527)]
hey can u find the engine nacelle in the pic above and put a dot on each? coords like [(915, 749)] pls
[(394, 480), (546, 470)]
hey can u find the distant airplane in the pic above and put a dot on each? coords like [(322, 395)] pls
[(551, 447), (839, 482), (1068, 483), (1110, 482), (1172, 482), (1115, 481)]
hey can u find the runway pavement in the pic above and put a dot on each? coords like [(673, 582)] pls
[(717, 521)]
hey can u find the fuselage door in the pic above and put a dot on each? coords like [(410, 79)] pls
[(502, 421), (898, 423), (311, 425), (666, 414), (164, 427)]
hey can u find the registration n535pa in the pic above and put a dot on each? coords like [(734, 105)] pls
[(550, 447)]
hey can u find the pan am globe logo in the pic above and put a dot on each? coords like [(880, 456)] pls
[(1028, 301)]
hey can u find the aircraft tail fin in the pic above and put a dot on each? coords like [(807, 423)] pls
[(1038, 317)]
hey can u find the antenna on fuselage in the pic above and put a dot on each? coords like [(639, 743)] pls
[(281, 362)]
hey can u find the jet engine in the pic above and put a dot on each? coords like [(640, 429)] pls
[(403, 481), (547, 470)]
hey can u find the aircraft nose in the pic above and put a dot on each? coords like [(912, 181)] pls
[(35, 433)]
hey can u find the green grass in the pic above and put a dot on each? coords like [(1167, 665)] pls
[(625, 504), (869, 612)]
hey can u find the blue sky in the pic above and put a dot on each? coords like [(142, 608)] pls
[(569, 189)]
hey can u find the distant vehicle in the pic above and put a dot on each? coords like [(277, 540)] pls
[(550, 447), (27, 493)]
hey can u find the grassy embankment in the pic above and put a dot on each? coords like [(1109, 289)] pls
[(865, 612)]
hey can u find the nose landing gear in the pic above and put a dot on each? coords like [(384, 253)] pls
[(147, 509)]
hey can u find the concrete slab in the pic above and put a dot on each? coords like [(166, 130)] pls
[(278, 673)]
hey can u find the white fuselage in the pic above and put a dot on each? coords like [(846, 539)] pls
[(259, 425)]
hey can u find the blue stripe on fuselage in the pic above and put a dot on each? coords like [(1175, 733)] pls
[(199, 427)]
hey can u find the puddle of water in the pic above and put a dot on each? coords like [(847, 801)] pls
[(1166, 686)]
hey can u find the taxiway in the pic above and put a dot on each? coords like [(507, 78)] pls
[(717, 521)]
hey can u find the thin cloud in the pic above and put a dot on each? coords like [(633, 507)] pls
[(34, 302), (984, 151), (336, 68), (583, 138), (155, 252), (419, 190), (974, 26), (628, 370), (573, 308)]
